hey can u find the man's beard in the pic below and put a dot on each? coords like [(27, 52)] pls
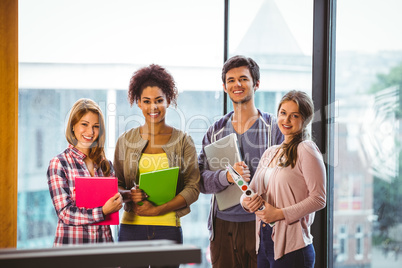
[(243, 101)]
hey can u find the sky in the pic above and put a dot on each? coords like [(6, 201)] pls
[(127, 31), (369, 25)]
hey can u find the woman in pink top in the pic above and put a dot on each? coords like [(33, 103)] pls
[(290, 182)]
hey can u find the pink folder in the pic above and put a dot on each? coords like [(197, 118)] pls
[(92, 192)]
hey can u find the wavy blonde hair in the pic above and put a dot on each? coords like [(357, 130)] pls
[(80, 108)]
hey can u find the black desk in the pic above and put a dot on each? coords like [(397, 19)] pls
[(155, 253)]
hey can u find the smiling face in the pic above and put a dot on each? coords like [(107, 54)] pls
[(290, 120), (153, 103), (86, 131), (239, 85)]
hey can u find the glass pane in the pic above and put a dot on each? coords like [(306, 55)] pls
[(73, 49), (278, 36), (367, 179)]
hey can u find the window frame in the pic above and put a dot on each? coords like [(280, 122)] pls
[(323, 95)]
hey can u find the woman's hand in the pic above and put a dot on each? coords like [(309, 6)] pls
[(242, 169), (252, 204), (270, 214), (115, 203), (147, 209), (137, 195)]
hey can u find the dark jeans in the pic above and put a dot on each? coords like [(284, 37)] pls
[(130, 232), (304, 257)]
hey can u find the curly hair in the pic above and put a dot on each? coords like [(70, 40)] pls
[(152, 76), (80, 108), (239, 61), (306, 109)]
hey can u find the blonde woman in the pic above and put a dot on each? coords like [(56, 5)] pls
[(85, 156)]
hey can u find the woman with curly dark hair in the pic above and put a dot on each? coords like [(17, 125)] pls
[(152, 146)]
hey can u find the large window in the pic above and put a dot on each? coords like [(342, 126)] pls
[(74, 49), (278, 36), (367, 181)]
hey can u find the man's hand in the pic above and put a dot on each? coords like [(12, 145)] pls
[(242, 169)]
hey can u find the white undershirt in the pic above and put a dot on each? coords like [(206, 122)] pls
[(267, 175)]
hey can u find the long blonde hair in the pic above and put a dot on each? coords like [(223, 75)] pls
[(80, 108), (306, 109)]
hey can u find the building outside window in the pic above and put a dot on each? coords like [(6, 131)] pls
[(341, 250), (359, 236), (367, 177)]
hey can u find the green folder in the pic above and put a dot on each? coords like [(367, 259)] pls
[(160, 185)]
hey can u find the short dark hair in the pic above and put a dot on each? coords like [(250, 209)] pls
[(152, 76), (239, 61)]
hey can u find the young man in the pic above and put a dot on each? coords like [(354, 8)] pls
[(232, 231)]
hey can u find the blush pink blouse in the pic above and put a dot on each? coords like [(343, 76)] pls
[(298, 191)]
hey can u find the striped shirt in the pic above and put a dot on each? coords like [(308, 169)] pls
[(73, 225)]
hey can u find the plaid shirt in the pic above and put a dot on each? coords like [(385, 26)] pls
[(73, 226)]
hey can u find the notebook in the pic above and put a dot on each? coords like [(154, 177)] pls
[(219, 154), (160, 185), (92, 192)]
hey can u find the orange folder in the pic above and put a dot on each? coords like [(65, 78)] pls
[(92, 192)]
